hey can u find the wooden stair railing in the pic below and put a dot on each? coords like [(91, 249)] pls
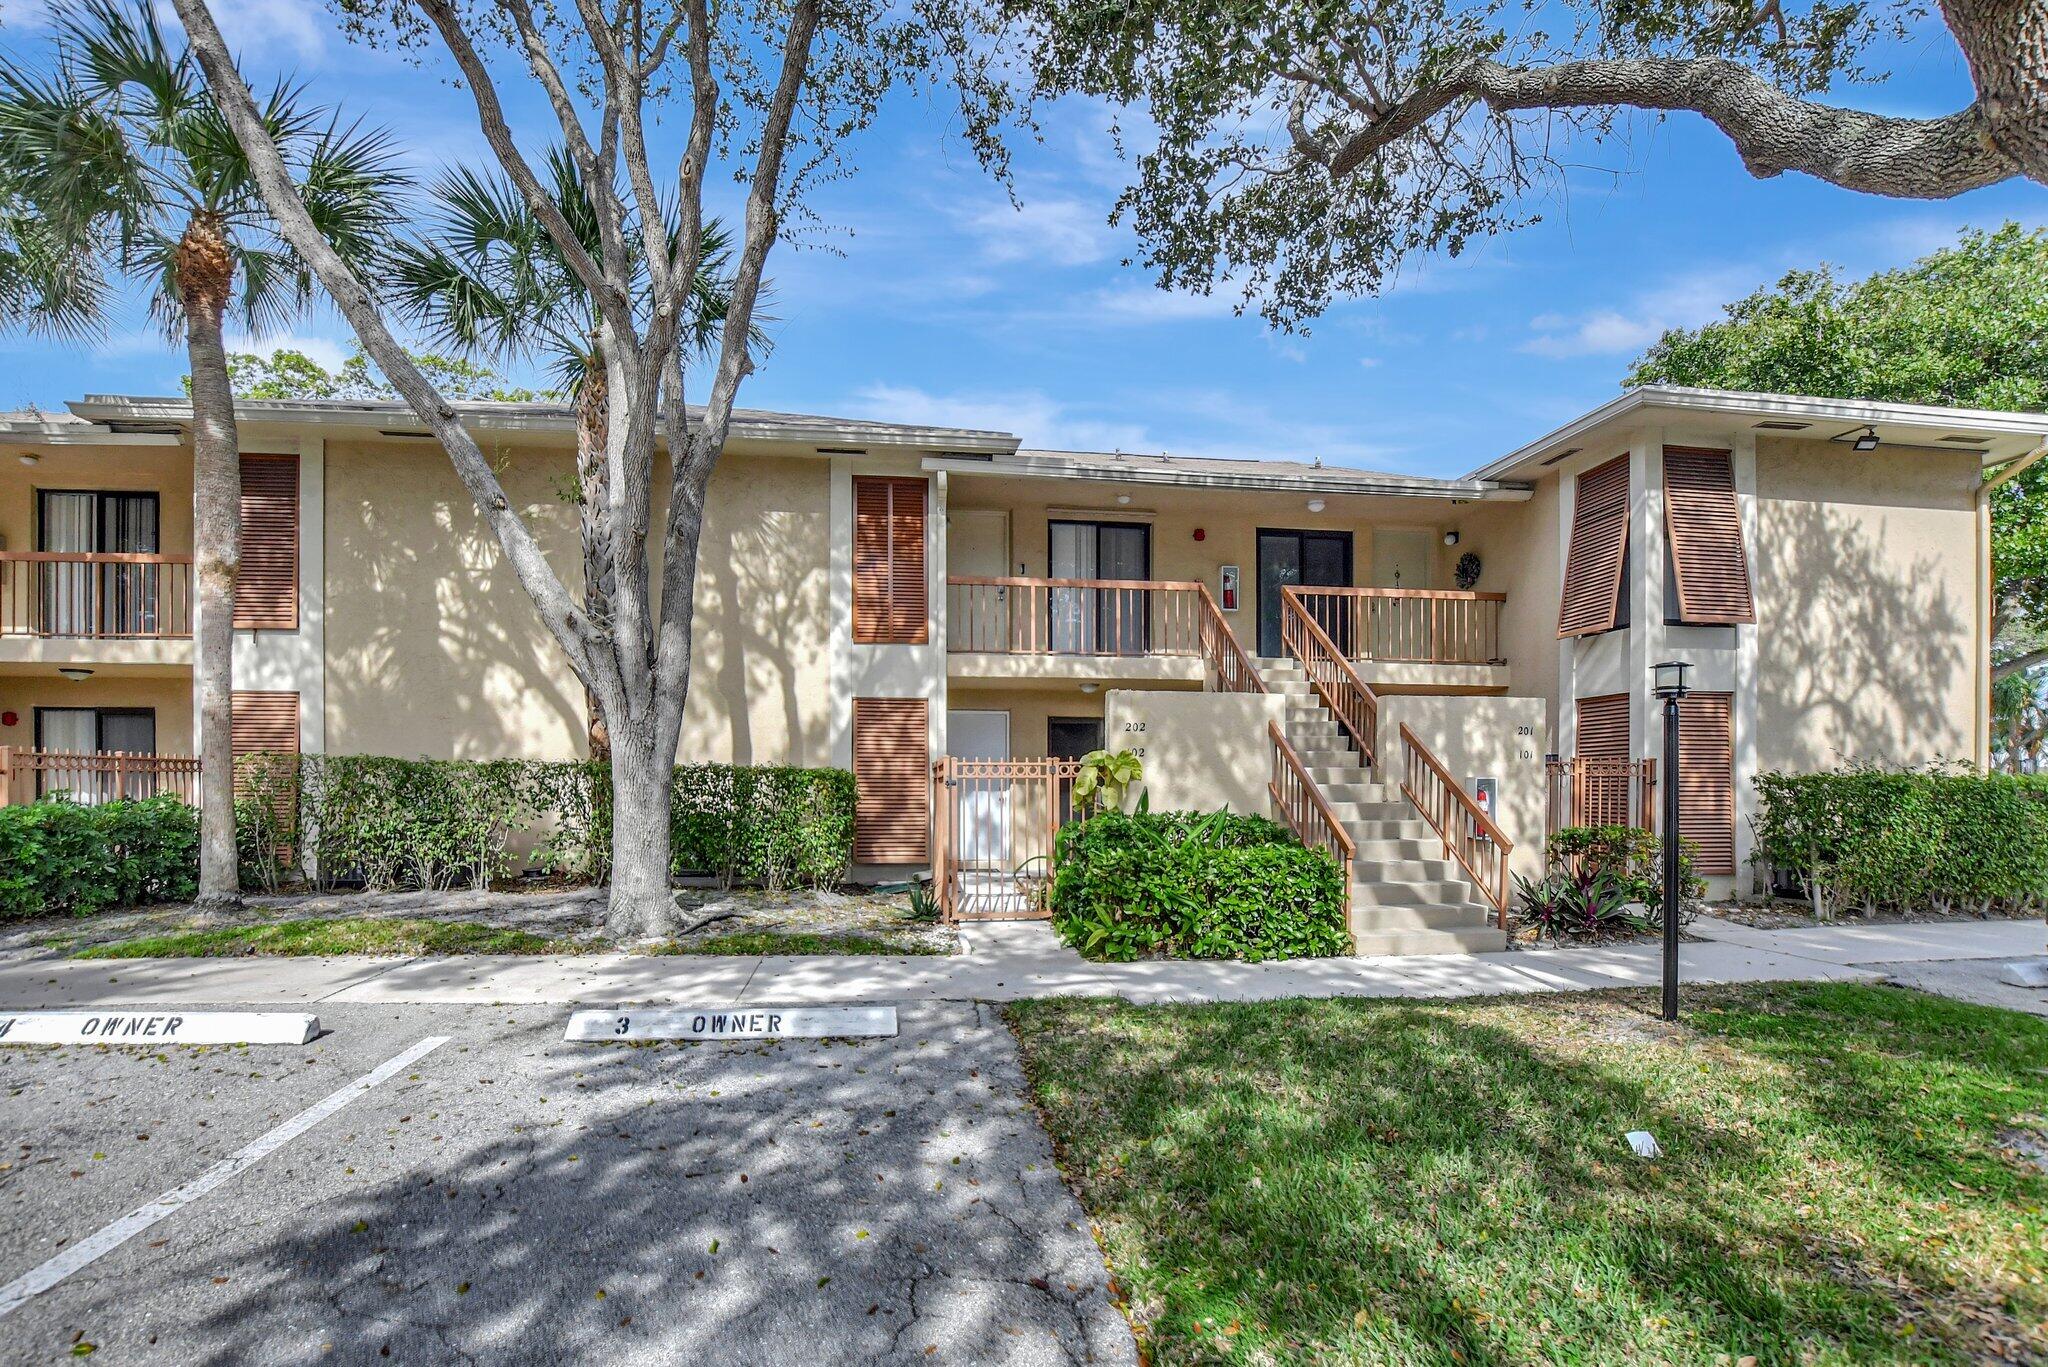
[(1469, 835), (1356, 706), (1225, 654), (1307, 812)]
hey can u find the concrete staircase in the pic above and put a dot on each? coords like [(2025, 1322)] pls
[(1406, 896)]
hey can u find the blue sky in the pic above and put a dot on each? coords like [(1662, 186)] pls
[(941, 303)]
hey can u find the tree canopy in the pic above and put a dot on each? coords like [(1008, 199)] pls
[(289, 374), (1302, 150)]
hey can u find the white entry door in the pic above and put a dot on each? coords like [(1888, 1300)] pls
[(982, 807)]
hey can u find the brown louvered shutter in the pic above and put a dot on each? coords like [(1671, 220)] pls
[(1708, 559), (1706, 779), (1599, 549), (889, 606), (1602, 795), (263, 723), (267, 589), (893, 773)]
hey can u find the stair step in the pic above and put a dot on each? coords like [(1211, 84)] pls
[(1471, 940), (1392, 849), (1358, 803), (1412, 869), (1364, 829), (1366, 920), (1329, 757), (1442, 892)]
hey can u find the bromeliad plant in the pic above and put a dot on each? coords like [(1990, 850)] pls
[(1587, 901)]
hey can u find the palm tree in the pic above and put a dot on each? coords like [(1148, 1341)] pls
[(115, 164), (488, 279)]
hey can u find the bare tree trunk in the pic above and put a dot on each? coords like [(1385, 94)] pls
[(593, 404), (640, 904), (205, 272)]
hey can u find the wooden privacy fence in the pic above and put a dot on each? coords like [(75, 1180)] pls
[(1425, 626), (111, 596), (1307, 813), (1468, 834), (994, 821), (1600, 792), (26, 775)]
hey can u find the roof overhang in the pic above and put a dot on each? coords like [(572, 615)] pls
[(112, 412), (2004, 436), (1192, 474)]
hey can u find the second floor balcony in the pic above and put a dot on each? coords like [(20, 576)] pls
[(1173, 630), (59, 605)]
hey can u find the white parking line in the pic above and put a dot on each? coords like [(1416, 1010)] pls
[(40, 1279)]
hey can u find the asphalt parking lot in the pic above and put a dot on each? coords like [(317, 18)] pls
[(509, 1197)]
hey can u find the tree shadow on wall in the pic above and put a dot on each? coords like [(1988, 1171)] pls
[(1862, 654)]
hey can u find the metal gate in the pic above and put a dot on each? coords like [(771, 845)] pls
[(994, 824)]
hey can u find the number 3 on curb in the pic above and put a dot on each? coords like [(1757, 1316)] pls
[(620, 1028)]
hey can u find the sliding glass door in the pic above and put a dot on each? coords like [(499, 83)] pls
[(1100, 621), (80, 599), (1302, 558)]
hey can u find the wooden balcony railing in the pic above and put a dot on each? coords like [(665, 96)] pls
[(1600, 792), (1117, 617), (1306, 811), (1423, 626), (26, 775), (1468, 834), (1355, 705), (99, 597)]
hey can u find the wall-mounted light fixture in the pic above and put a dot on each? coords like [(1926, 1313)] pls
[(1450, 538), (1867, 441), (1315, 505)]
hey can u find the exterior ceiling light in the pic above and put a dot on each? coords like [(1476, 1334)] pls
[(1868, 440), (1123, 499), (74, 673), (30, 459), (1315, 505)]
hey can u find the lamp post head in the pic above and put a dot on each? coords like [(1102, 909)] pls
[(1669, 678)]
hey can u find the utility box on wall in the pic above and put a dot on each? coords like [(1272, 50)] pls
[(1201, 751)]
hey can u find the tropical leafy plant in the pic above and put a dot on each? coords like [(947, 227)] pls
[(115, 165), (1578, 902), (1105, 779)]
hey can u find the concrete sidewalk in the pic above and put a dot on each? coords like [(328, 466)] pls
[(1002, 962)]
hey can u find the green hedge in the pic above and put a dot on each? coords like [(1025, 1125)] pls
[(58, 856), (1214, 886), (445, 823), (1868, 839)]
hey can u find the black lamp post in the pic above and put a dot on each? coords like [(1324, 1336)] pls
[(1670, 686)]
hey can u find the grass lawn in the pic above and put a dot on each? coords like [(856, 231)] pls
[(1448, 1182), (334, 935), (792, 942)]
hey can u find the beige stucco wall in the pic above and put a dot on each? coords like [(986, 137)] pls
[(1501, 737), (1201, 751), (1865, 583), (168, 693), (433, 648), (1517, 544)]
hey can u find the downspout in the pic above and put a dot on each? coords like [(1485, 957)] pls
[(1985, 596)]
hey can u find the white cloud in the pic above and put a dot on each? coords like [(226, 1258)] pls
[(1144, 304), (1686, 301), (326, 352), (1035, 417), (1062, 232)]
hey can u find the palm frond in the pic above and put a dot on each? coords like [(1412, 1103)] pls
[(352, 184), (48, 285), (114, 49)]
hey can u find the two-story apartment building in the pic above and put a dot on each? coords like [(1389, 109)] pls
[(1382, 657)]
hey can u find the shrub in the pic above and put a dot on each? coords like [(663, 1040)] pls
[(59, 856), (438, 824), (1634, 858), (1196, 886), (1586, 900), (1875, 839)]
